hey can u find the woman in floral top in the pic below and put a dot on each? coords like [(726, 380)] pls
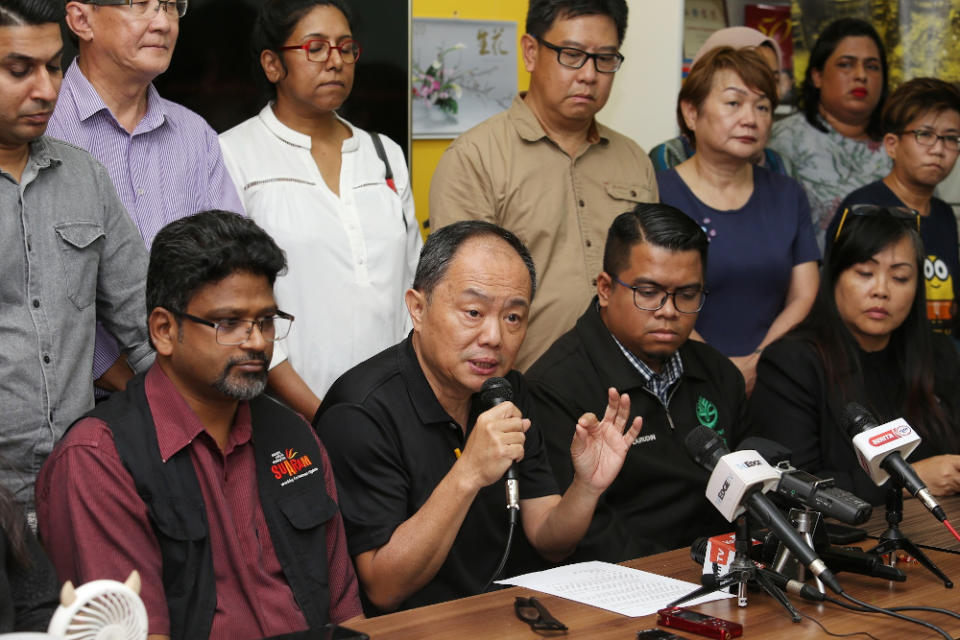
[(834, 142)]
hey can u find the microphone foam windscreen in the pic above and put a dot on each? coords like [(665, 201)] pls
[(704, 446), (494, 391), (856, 418)]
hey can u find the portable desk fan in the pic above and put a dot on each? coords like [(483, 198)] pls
[(101, 610)]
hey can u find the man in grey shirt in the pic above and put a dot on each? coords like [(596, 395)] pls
[(69, 255)]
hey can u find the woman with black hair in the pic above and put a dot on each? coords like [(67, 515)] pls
[(28, 582), (867, 340), (336, 198), (835, 141)]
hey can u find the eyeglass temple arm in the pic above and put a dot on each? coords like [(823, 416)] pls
[(843, 218)]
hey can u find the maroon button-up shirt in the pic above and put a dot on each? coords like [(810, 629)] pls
[(94, 525)]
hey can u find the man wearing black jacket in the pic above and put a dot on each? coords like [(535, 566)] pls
[(634, 337)]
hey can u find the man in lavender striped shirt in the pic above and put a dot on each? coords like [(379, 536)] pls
[(164, 159)]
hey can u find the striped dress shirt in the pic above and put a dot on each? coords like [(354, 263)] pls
[(168, 168)]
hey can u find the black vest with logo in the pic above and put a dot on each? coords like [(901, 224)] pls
[(292, 494)]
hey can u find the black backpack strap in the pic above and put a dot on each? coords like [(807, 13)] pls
[(387, 171), (175, 507), (382, 154)]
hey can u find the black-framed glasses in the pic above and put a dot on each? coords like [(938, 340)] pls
[(902, 213), (320, 50), (652, 297), (927, 138), (234, 331), (532, 611), (576, 58), (141, 8)]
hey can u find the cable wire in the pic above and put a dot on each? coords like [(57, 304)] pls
[(506, 554), (952, 530), (852, 607), (837, 635), (888, 612)]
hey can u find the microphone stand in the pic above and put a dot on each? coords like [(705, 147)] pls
[(805, 521), (893, 539), (743, 570)]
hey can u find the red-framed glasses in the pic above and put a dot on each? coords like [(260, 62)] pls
[(320, 50)]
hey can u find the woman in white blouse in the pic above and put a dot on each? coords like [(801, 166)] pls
[(317, 184)]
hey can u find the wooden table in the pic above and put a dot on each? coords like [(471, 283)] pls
[(920, 526), (490, 616)]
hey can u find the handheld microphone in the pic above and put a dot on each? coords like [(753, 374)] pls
[(809, 490), (737, 484), (856, 561), (881, 449), (495, 391)]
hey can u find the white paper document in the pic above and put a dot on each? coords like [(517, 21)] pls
[(626, 591)]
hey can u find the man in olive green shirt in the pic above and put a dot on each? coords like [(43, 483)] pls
[(545, 169)]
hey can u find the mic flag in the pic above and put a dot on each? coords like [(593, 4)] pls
[(734, 475), (881, 450), (874, 442)]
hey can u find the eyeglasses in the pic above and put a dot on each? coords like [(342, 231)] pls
[(927, 138), (576, 58), (234, 331), (652, 297), (902, 213), (320, 50), (141, 8), (536, 615)]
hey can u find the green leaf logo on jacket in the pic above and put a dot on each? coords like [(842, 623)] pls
[(706, 413)]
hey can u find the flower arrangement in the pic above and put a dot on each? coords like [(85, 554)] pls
[(439, 85)]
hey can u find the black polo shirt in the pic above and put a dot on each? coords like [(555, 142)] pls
[(391, 443), (657, 501)]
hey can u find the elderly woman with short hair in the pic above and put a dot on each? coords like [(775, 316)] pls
[(762, 270)]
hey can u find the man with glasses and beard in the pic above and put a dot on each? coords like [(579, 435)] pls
[(634, 336), (222, 498)]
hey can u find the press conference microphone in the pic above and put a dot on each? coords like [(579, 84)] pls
[(698, 551), (737, 483), (881, 449), (862, 562), (806, 489), (494, 391)]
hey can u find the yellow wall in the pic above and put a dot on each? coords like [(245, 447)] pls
[(426, 153)]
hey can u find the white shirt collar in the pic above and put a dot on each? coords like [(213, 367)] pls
[(297, 139)]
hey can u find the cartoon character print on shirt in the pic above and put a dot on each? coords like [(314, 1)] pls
[(939, 288)]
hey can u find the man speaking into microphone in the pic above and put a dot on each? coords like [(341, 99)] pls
[(420, 465)]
